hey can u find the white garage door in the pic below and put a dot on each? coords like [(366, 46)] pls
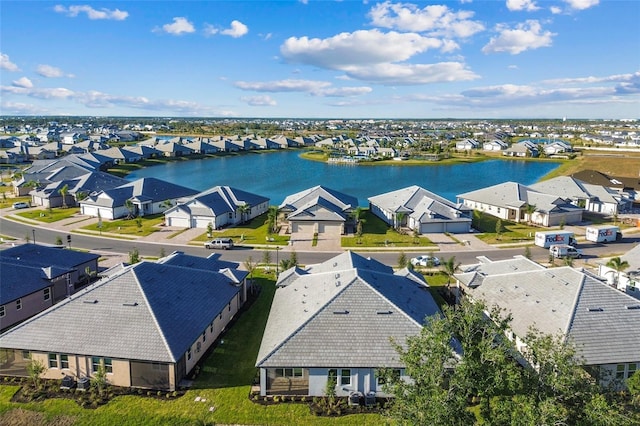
[(178, 222), (201, 222), (90, 210), (330, 229), (303, 228)]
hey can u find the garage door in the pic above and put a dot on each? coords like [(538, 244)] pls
[(330, 229), (178, 222), (90, 210), (201, 222), (431, 228), (303, 228)]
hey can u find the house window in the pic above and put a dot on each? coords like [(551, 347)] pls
[(211, 328), (289, 372), (47, 293), (229, 306), (95, 364), (189, 353), (1, 311), (220, 315), (345, 377), (64, 361), (108, 365), (396, 373), (620, 372), (204, 337), (632, 370), (53, 361), (18, 304), (230, 215), (26, 355)]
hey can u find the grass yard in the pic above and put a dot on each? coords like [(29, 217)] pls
[(224, 381), (252, 232), (376, 233), (141, 226), (511, 232), (49, 216)]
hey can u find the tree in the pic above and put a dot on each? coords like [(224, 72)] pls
[(499, 229), (402, 260), (527, 252), (130, 208), (399, 219), (139, 223), (617, 265), (272, 219), (530, 209), (99, 379), (450, 267), (134, 256), (58, 240), (244, 210), (35, 368), (89, 274), (63, 193), (568, 261), (266, 258), (250, 266), (209, 229), (293, 259)]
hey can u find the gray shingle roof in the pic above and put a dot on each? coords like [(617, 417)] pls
[(335, 316), (219, 200), (151, 189), (342, 201), (418, 203), (564, 300), (149, 312)]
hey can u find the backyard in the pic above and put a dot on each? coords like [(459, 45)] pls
[(224, 383)]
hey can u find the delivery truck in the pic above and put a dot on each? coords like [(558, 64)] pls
[(546, 239), (564, 250), (603, 233)]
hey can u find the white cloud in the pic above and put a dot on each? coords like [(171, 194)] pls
[(19, 108), (432, 19), (528, 5), (237, 29), (512, 67), (51, 72), (411, 74), (363, 47), (40, 93), (262, 100), (210, 30), (22, 82), (179, 26), (555, 10), (582, 4), (6, 64), (525, 36), (94, 14), (312, 87)]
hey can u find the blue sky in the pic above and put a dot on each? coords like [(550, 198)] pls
[(322, 59)]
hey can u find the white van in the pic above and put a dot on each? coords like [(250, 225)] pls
[(219, 243), (565, 250)]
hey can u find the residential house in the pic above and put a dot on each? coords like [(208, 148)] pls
[(627, 280), (510, 201), (337, 320), (77, 188), (467, 144), (318, 210), (522, 149), (598, 320), (495, 145), (147, 326), (627, 187), (421, 210), (556, 147), (173, 149), (147, 196), (33, 277), (593, 198), (219, 207), (121, 155), (200, 146)]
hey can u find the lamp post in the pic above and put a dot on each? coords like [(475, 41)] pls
[(34, 235), (277, 261)]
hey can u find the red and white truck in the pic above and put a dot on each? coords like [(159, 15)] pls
[(603, 233), (546, 239)]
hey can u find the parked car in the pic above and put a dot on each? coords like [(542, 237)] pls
[(565, 250), (219, 243), (20, 205), (425, 260)]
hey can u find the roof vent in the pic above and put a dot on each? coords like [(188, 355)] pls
[(345, 312), (595, 309), (633, 307), (337, 276), (384, 312), (338, 283), (90, 302), (130, 304)]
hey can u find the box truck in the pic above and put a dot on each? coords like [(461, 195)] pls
[(548, 238), (564, 250), (603, 234)]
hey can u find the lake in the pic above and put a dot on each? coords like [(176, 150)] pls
[(278, 174)]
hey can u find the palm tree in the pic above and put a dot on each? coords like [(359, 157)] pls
[(244, 212), (617, 265), (530, 209), (63, 193), (130, 207), (399, 218), (272, 218), (450, 267)]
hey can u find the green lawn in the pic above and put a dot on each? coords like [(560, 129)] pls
[(252, 232), (49, 216), (511, 232), (224, 381), (129, 226), (376, 233)]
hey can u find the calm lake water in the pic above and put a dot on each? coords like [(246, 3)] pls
[(278, 174)]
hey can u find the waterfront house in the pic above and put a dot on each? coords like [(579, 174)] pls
[(421, 210), (495, 145), (173, 149), (34, 277), (336, 320), (147, 196), (522, 149), (147, 326), (600, 321), (467, 144), (509, 201), (219, 207), (318, 210), (557, 147)]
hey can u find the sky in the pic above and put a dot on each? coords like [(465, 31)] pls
[(501, 59)]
